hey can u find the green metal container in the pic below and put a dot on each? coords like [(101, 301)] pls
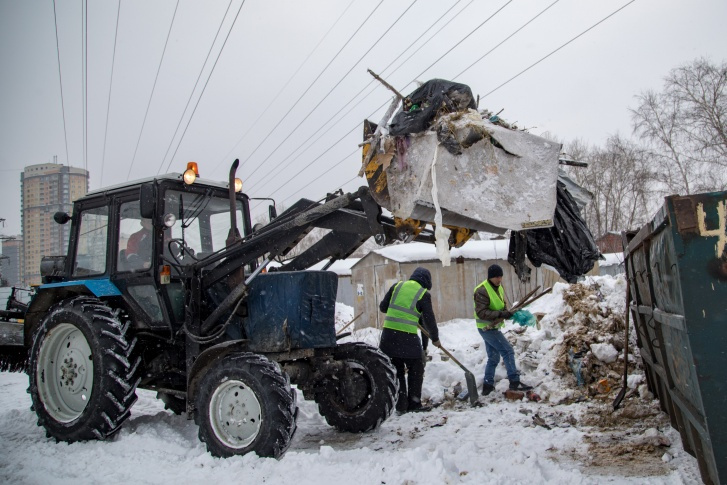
[(677, 265)]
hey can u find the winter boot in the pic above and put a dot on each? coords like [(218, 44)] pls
[(416, 407), (487, 388), (519, 386)]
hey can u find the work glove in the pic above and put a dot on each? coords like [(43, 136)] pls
[(436, 343)]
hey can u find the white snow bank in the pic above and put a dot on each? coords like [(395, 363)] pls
[(416, 251), (502, 442)]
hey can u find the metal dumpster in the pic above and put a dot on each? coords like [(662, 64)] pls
[(677, 265)]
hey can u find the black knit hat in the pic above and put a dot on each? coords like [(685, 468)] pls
[(494, 271)]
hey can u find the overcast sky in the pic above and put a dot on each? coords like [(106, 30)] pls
[(304, 143)]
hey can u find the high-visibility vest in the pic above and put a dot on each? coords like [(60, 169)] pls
[(402, 314), (497, 303)]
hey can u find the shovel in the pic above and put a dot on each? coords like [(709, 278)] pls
[(468, 376), (622, 392)]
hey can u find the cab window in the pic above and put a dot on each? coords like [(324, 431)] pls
[(135, 239), (91, 247)]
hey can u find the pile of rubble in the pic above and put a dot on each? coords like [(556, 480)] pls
[(582, 343)]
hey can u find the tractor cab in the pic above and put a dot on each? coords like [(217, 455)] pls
[(133, 241)]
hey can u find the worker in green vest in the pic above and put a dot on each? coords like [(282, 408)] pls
[(408, 304), (490, 313)]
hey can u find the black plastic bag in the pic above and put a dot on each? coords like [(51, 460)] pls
[(568, 246), (426, 101)]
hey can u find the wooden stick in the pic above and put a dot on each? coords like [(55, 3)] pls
[(348, 324), (387, 85), (523, 304), (374, 140)]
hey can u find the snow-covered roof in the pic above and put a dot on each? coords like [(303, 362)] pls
[(612, 259), (482, 250), (342, 267)]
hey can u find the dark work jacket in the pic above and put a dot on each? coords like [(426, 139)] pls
[(482, 306), (403, 345)]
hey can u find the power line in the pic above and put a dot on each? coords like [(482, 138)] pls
[(521, 72), (431, 65), (151, 96), (312, 83), (60, 80), (300, 123), (254, 123), (465, 37), (304, 187), (111, 84), (196, 83), (559, 48), (434, 63), (432, 37), (84, 76), (209, 76), (281, 167), (506, 39)]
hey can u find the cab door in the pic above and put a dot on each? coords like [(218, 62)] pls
[(135, 263)]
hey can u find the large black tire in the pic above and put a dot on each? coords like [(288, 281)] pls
[(245, 404), (173, 403), (362, 396), (82, 374)]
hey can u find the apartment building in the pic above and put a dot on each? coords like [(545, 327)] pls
[(46, 189)]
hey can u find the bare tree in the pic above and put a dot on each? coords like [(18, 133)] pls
[(620, 180), (685, 126)]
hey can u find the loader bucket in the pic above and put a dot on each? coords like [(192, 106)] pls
[(486, 177)]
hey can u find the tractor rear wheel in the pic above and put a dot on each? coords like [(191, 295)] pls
[(361, 396), (245, 404), (82, 374)]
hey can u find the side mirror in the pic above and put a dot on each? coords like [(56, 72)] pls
[(272, 212), (147, 201), (61, 217)]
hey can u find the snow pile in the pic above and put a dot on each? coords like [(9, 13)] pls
[(417, 251), (585, 319), (500, 442)]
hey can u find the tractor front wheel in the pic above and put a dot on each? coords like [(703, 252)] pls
[(82, 374), (245, 404)]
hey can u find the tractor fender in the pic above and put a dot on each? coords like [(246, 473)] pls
[(49, 294), (208, 358)]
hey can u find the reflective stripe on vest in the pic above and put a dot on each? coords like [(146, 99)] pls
[(402, 314), (497, 303)]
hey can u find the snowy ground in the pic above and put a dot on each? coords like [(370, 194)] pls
[(571, 436)]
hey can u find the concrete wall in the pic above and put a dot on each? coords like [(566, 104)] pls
[(452, 286)]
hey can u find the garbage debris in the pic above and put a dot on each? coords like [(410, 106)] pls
[(524, 318), (568, 246), (575, 362), (593, 338), (481, 167), (490, 177), (426, 102)]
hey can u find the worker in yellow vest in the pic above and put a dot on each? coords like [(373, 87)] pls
[(491, 308), (408, 304)]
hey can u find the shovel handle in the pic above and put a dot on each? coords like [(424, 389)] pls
[(446, 352), (525, 303)]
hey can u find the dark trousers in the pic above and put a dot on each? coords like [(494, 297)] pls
[(410, 396)]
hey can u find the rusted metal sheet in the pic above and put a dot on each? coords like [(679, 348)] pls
[(678, 268)]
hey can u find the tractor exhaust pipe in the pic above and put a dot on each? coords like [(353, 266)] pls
[(234, 235)]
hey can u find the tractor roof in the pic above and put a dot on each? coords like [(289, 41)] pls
[(174, 177)]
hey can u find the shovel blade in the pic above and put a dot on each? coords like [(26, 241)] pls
[(471, 387), (619, 398)]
